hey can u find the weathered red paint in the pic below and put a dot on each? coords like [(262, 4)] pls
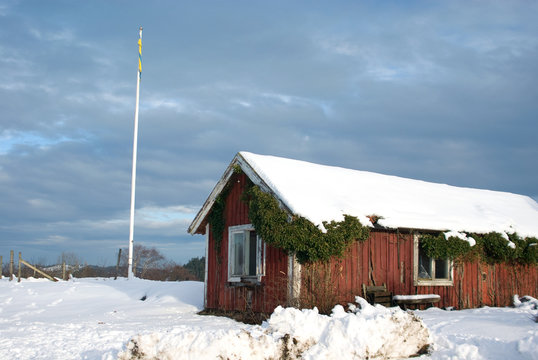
[(225, 296), (385, 258)]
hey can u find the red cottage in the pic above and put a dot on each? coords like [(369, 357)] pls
[(245, 273)]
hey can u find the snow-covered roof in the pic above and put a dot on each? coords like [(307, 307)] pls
[(323, 193)]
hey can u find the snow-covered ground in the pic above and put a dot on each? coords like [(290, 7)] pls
[(99, 318)]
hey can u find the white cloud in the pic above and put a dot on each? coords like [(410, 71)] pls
[(4, 9), (50, 240), (118, 102), (63, 35), (12, 138), (40, 203), (180, 106), (13, 57), (242, 103), (24, 86), (177, 217), (337, 46), (168, 216), (300, 101)]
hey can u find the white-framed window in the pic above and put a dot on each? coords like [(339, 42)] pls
[(246, 254), (429, 271)]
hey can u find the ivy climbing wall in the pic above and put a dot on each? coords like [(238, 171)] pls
[(223, 295)]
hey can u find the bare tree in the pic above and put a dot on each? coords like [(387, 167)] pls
[(144, 258), (70, 259)]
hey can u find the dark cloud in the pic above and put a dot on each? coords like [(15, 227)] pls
[(439, 92)]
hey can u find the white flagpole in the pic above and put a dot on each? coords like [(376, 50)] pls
[(133, 176)]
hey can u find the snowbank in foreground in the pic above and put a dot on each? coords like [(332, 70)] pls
[(368, 332), (95, 318)]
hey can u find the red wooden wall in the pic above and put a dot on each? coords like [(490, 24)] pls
[(385, 258), (224, 296)]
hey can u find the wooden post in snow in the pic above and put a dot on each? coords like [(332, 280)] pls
[(35, 269), (20, 258), (11, 265), (63, 270), (118, 265)]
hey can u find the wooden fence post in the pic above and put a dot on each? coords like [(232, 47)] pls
[(11, 265), (20, 258), (118, 265), (63, 270), (37, 270)]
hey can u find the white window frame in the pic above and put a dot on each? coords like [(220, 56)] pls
[(260, 254), (433, 281)]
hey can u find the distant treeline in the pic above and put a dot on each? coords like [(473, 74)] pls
[(148, 263)]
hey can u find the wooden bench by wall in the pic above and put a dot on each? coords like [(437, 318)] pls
[(415, 301), (377, 295)]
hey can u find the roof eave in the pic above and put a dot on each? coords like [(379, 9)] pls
[(197, 225)]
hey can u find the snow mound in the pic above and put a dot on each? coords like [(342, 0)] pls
[(364, 332), (193, 344), (525, 302), (370, 332)]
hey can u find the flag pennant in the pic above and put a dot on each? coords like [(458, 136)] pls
[(140, 56)]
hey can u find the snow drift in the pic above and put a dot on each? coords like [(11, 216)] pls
[(363, 332), (95, 318)]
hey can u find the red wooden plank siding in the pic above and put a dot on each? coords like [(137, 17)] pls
[(220, 295), (387, 258)]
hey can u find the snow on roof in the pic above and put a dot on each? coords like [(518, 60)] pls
[(324, 193)]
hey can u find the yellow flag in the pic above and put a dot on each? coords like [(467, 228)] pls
[(140, 56)]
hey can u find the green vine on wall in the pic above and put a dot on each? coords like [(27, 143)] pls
[(491, 247), (217, 219), (297, 235), (438, 247)]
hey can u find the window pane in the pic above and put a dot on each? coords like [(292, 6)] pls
[(441, 269), (239, 254), (252, 249), (424, 265)]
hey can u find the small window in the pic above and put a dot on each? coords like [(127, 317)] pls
[(246, 254), (429, 271)]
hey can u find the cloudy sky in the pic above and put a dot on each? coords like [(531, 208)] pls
[(437, 91)]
